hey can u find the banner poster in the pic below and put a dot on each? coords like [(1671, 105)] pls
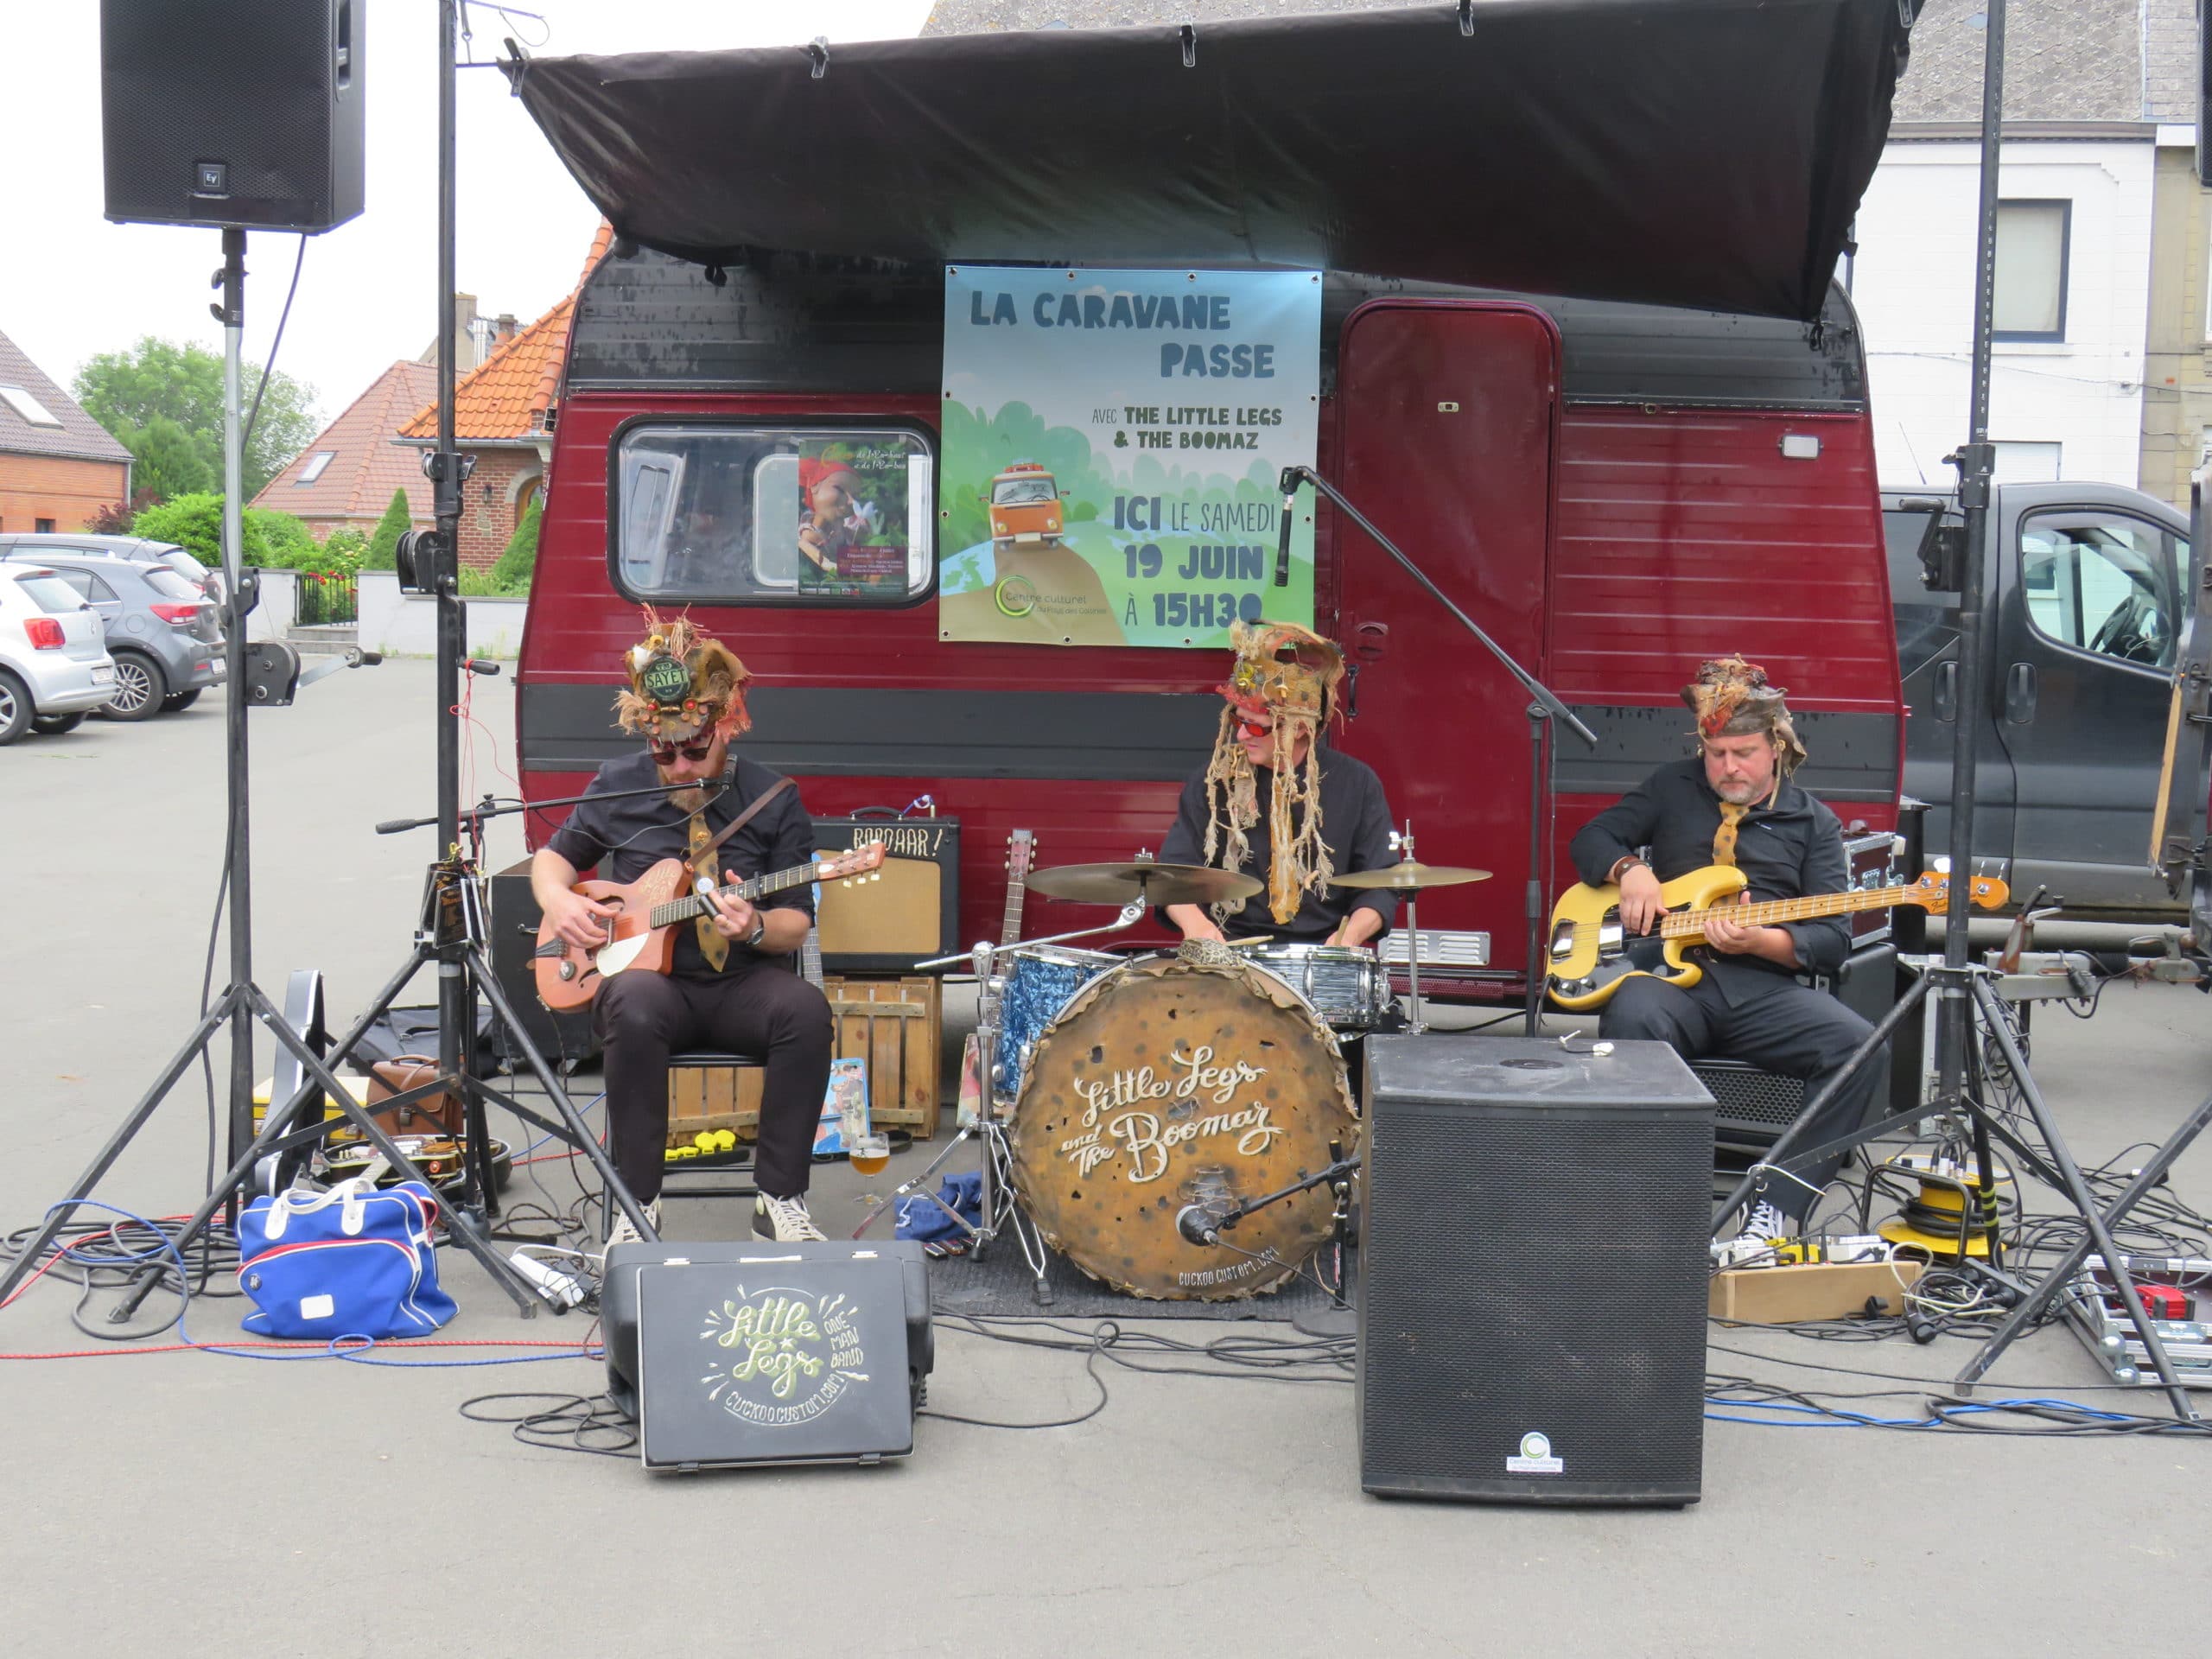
[(850, 516), (1111, 445)]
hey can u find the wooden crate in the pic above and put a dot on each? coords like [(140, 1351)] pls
[(896, 1024)]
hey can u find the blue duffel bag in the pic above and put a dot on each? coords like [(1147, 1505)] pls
[(350, 1262)]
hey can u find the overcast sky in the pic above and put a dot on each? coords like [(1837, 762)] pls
[(73, 285)]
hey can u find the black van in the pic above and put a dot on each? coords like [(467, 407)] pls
[(2086, 594)]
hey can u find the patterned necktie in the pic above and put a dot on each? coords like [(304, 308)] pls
[(712, 944), (1723, 838)]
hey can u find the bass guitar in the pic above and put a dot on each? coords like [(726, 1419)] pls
[(641, 935), (1591, 955)]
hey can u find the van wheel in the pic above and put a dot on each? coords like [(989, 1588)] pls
[(140, 685), (14, 707), (177, 701), (55, 725)]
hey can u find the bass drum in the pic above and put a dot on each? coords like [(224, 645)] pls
[(1166, 1085)]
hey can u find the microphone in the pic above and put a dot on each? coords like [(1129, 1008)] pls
[(1195, 1223), (1288, 484)]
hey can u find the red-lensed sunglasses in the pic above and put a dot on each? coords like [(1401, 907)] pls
[(665, 753), (1252, 727)]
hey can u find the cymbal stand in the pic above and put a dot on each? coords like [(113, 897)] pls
[(999, 1211), (1401, 843)]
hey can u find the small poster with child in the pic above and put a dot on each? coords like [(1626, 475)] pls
[(844, 1108), (852, 529)]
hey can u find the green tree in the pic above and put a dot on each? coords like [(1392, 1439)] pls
[(171, 461), (383, 540), (291, 544), (127, 392), (195, 522), (512, 570)]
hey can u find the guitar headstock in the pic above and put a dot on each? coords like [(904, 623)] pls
[(856, 866), (1021, 855), (1933, 892)]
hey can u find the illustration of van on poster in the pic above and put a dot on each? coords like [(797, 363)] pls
[(1111, 443)]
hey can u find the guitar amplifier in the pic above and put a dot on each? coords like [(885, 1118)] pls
[(754, 1352), (1532, 1303), (514, 920), (909, 914)]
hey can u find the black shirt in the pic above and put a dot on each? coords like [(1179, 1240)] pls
[(623, 839), (1355, 827), (1787, 849)]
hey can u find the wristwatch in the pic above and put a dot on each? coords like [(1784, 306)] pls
[(759, 932)]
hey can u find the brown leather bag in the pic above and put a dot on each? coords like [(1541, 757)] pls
[(433, 1115)]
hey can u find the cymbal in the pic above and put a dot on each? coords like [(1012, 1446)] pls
[(1410, 877), (1145, 880)]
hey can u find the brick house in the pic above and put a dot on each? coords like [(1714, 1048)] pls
[(58, 467), (503, 416), (347, 476)]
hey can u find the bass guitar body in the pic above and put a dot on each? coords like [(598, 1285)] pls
[(569, 977), (1591, 953)]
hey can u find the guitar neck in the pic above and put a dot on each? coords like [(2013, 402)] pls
[(1017, 887), (683, 909), (1682, 924)]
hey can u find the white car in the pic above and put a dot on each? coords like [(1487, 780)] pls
[(54, 668)]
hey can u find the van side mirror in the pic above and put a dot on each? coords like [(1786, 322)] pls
[(1942, 546)]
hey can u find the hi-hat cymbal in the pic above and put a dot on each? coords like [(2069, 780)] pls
[(1409, 877), (1142, 880)]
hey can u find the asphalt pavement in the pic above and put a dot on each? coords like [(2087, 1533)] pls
[(195, 1503)]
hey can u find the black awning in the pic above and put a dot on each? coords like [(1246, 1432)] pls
[(1705, 153)]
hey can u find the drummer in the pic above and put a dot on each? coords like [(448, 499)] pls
[(1276, 804)]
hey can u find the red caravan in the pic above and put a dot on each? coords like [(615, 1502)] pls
[(1614, 491)]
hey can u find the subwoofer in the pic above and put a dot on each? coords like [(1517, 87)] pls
[(1532, 1303), (244, 112)]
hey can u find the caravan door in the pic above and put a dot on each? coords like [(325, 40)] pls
[(1447, 417)]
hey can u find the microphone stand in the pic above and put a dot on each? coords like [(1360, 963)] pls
[(1544, 708), (1198, 1225)]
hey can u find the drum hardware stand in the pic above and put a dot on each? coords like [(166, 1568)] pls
[(1546, 708), (1000, 1211), (1403, 845)]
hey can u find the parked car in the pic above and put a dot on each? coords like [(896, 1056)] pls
[(180, 560), (54, 668), (164, 634), (2087, 588)]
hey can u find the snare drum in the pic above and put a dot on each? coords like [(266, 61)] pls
[(1347, 985), (1037, 986)]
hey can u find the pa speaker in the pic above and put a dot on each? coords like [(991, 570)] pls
[(1532, 1308), (731, 1355), (244, 112)]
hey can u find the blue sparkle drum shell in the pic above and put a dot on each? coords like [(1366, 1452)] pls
[(1042, 981)]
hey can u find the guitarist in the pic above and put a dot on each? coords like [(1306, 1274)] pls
[(729, 986), (1734, 803)]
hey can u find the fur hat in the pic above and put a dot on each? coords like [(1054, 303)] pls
[(1731, 698), (681, 684), (1282, 668)]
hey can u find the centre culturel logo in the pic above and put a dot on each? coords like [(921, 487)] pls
[(780, 1356)]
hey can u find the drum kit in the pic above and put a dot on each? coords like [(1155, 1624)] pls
[(1126, 1093)]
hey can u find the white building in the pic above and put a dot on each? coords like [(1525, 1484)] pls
[(2085, 84)]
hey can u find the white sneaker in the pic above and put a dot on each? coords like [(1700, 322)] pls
[(784, 1220), (619, 1232)]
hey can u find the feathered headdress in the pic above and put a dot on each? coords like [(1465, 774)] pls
[(681, 684), (1731, 698), (1291, 674)]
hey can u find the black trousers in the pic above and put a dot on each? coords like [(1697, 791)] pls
[(758, 1007), (1793, 1031)]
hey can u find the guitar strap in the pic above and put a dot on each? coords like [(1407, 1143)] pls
[(712, 944)]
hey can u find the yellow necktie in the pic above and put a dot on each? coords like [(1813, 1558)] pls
[(1723, 838), (712, 944)]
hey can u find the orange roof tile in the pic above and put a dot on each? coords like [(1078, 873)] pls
[(365, 466), (511, 392)]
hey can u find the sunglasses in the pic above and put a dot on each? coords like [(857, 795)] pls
[(665, 753), (1251, 727)]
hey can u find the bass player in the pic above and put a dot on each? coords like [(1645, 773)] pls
[(729, 986), (1734, 803)]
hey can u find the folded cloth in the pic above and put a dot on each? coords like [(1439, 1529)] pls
[(920, 1218)]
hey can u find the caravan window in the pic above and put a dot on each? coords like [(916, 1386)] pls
[(717, 513)]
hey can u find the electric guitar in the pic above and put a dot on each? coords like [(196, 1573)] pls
[(975, 1065), (1591, 955), (641, 935)]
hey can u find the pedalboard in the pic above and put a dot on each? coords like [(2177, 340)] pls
[(2176, 1292)]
